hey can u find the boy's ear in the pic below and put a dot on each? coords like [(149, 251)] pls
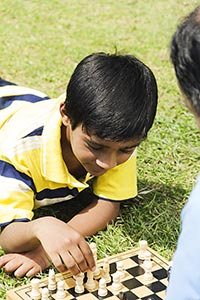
[(65, 118)]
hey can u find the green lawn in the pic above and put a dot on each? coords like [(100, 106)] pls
[(41, 43)]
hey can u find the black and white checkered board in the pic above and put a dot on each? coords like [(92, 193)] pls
[(133, 284)]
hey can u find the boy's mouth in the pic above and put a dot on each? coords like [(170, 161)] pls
[(97, 171)]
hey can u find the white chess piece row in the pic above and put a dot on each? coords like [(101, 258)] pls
[(38, 293), (145, 255), (91, 284), (60, 293)]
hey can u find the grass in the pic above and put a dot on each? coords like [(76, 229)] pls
[(42, 41)]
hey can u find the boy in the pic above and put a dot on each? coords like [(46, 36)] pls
[(185, 56), (50, 150)]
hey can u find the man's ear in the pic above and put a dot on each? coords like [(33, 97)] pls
[(65, 118)]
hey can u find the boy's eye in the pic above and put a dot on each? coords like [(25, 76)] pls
[(128, 151), (94, 147)]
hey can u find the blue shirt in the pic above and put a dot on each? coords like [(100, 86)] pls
[(184, 283)]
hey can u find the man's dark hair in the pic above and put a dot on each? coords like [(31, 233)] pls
[(113, 96), (185, 56)]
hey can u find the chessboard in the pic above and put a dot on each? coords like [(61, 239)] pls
[(140, 279)]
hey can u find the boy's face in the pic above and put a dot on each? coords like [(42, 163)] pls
[(97, 155)]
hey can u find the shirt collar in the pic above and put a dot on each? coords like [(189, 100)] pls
[(53, 165)]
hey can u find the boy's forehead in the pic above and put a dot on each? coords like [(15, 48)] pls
[(93, 137), (98, 140)]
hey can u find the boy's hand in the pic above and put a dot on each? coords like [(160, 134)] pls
[(65, 247), (25, 264)]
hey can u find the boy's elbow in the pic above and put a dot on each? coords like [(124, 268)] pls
[(114, 212)]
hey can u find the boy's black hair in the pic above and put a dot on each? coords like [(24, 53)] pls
[(113, 96), (185, 56)]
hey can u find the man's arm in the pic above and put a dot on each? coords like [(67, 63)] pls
[(185, 272), (95, 217)]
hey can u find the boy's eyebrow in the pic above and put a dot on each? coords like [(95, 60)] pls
[(102, 145), (132, 146)]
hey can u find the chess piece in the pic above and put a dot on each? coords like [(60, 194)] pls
[(106, 270), (79, 287), (143, 248), (102, 291), (52, 285), (148, 276), (116, 285), (169, 269), (60, 294), (35, 290), (97, 271), (90, 283), (120, 269), (122, 296), (45, 294), (147, 255), (147, 258)]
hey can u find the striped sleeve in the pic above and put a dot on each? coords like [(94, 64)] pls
[(16, 196), (12, 97), (10, 93)]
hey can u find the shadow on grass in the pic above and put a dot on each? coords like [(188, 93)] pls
[(154, 215)]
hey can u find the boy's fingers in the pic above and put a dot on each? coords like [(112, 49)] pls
[(58, 262), (75, 261), (23, 270), (7, 263), (70, 262), (27, 268), (11, 266), (82, 256), (88, 255), (33, 271), (19, 265), (5, 259)]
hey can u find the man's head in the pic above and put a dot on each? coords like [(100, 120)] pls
[(113, 96), (185, 56)]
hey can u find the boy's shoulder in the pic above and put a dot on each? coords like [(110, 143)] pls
[(22, 119)]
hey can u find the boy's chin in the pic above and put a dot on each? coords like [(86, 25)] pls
[(97, 173)]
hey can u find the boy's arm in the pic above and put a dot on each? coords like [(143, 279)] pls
[(64, 246), (95, 217)]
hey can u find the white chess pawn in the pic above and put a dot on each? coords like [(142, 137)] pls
[(102, 291), (45, 294), (120, 269), (143, 248), (60, 294), (79, 287), (106, 270), (52, 284), (35, 290), (147, 258), (147, 255), (148, 276), (97, 271), (116, 285), (90, 283)]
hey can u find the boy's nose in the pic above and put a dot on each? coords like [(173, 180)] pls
[(107, 163)]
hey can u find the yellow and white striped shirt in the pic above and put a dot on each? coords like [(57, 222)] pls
[(32, 170)]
